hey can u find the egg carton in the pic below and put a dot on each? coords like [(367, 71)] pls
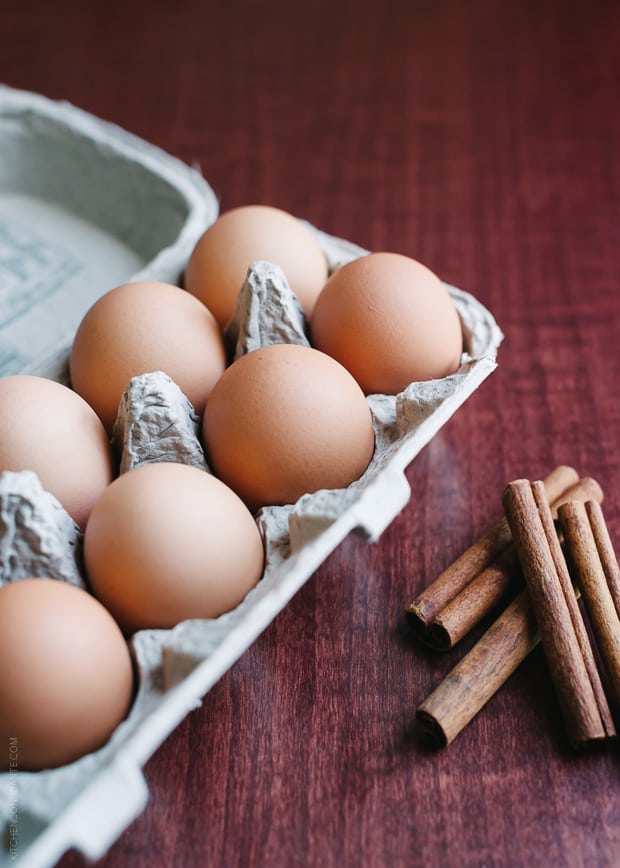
[(88, 804)]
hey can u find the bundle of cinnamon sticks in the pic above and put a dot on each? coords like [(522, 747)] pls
[(551, 547)]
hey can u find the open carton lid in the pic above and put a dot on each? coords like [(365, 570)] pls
[(84, 206)]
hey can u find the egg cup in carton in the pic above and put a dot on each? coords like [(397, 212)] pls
[(88, 803)]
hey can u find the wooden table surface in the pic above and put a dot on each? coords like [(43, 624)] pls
[(482, 138)]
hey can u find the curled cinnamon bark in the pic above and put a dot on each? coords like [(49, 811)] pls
[(471, 587), (562, 631), (479, 674), (585, 536)]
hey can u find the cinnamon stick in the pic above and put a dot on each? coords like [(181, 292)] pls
[(606, 551), (483, 552), (480, 673), (452, 580), (582, 701), (477, 599), (582, 537), (579, 626), (450, 622), (488, 588)]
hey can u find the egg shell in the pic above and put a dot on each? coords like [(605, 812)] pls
[(47, 428), (286, 420), (68, 679), (141, 327), (220, 261), (167, 542), (390, 321)]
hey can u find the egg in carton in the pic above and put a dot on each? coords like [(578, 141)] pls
[(88, 803), (156, 422)]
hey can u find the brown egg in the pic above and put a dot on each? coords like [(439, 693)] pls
[(390, 321), (167, 542), (219, 264), (67, 678), (142, 327), (285, 420), (45, 427)]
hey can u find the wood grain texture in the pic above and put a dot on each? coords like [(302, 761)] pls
[(481, 138)]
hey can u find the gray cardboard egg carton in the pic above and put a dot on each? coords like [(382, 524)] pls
[(101, 236)]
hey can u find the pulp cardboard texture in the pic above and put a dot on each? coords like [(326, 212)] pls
[(85, 206)]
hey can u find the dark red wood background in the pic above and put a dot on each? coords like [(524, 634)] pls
[(482, 138)]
